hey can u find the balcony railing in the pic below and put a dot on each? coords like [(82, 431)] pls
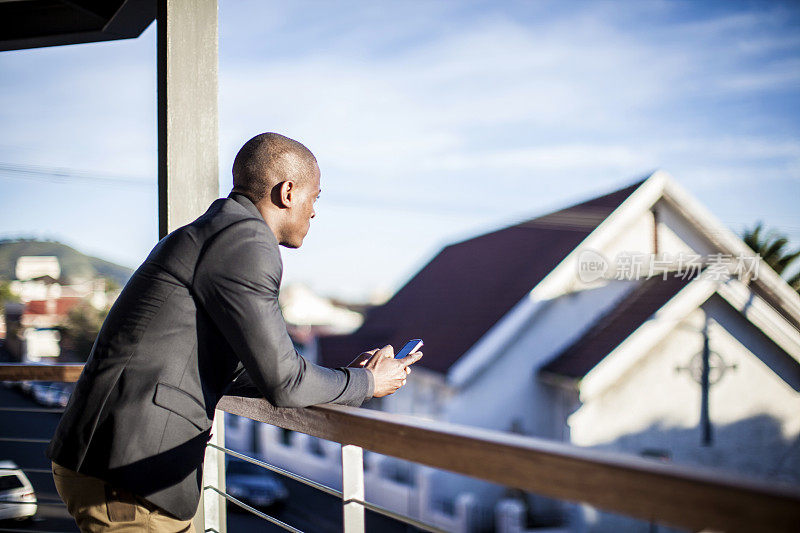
[(680, 496)]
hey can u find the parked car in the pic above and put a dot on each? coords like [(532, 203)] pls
[(253, 485), (17, 498), (50, 394)]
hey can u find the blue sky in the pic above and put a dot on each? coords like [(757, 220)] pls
[(432, 121)]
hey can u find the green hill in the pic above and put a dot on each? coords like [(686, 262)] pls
[(74, 265)]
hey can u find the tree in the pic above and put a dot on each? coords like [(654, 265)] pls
[(81, 328), (111, 286), (772, 246), (6, 295)]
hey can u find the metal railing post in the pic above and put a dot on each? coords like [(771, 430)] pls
[(353, 488), (211, 515)]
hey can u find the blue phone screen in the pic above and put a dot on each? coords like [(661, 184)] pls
[(405, 350)]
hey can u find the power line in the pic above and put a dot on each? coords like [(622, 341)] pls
[(65, 175)]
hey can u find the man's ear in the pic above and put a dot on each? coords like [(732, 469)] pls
[(286, 193)]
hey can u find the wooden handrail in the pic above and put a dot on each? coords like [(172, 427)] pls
[(66, 373), (682, 496)]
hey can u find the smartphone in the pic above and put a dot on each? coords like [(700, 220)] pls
[(411, 346)]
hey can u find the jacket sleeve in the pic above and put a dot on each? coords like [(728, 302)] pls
[(236, 282)]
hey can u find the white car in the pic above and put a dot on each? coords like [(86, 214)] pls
[(17, 499)]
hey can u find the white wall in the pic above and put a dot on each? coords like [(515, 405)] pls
[(508, 389), (42, 343), (676, 235), (755, 413), (32, 266), (425, 395)]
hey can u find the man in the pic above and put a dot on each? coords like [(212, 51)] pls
[(200, 314)]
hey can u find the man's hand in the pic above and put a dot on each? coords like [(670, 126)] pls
[(389, 373), (362, 359)]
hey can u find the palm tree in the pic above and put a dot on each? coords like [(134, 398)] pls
[(773, 249)]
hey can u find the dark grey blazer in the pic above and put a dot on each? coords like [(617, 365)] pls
[(199, 312)]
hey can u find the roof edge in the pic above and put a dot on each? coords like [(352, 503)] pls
[(557, 282), (719, 234)]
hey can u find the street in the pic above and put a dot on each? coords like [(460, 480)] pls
[(51, 514)]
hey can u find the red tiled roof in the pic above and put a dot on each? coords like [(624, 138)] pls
[(469, 286), (36, 307), (63, 305), (615, 326)]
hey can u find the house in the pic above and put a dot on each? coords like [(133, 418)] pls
[(309, 316), (633, 322), (46, 300), (34, 266)]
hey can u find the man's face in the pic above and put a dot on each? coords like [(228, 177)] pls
[(302, 210)]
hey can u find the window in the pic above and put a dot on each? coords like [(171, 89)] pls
[(10, 481)]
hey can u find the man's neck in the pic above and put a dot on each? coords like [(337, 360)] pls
[(271, 217)]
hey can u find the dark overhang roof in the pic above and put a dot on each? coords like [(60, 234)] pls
[(610, 330), (37, 23)]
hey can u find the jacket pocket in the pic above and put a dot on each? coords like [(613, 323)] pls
[(182, 404)]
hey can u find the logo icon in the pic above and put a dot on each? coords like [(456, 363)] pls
[(592, 265)]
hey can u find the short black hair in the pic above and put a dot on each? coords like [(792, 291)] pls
[(267, 160)]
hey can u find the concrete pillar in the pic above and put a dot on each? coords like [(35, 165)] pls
[(188, 125)]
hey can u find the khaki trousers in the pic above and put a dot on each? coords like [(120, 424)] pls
[(98, 507)]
